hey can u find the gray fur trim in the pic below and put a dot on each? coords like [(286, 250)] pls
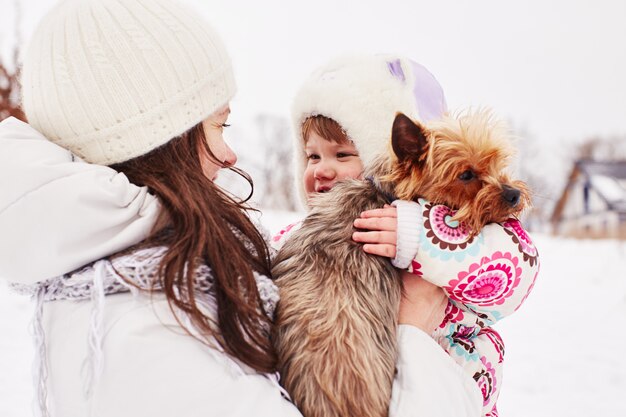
[(338, 305)]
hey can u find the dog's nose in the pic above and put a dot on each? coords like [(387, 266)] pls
[(510, 195)]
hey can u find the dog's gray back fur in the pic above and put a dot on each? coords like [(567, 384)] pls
[(337, 316)]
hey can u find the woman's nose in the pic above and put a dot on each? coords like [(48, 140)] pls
[(230, 158)]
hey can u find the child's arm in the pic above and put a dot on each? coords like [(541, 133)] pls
[(492, 272)]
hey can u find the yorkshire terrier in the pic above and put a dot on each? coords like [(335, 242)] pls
[(336, 320)]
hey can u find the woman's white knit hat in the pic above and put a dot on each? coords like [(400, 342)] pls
[(363, 94), (111, 80)]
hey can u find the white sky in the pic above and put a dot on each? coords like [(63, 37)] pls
[(556, 68)]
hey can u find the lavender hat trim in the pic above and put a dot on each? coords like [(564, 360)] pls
[(429, 98)]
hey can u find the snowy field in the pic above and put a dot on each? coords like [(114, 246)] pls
[(565, 348)]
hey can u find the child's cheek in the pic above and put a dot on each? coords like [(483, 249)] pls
[(309, 181), (356, 171)]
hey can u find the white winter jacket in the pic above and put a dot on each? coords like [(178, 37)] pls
[(58, 214)]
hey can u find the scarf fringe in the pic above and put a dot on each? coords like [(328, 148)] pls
[(102, 278)]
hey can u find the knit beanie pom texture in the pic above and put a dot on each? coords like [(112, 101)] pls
[(111, 80)]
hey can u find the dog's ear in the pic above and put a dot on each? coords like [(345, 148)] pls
[(409, 140)]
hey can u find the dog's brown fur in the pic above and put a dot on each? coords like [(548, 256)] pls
[(337, 317)]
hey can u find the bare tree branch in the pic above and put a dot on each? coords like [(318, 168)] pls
[(10, 87)]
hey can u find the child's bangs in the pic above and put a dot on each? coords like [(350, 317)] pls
[(326, 127)]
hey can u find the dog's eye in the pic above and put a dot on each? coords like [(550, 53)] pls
[(467, 175)]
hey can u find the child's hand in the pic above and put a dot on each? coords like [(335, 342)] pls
[(381, 237)]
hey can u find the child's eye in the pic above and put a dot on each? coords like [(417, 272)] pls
[(225, 125), (344, 154), (313, 157)]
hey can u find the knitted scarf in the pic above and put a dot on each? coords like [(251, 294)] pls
[(134, 272)]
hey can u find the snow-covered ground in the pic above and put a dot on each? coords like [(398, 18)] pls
[(564, 347)]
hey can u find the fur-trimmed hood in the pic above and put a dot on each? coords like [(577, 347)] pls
[(363, 94)]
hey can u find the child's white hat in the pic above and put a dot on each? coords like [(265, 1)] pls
[(363, 94), (111, 80)]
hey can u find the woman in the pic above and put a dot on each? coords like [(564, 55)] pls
[(152, 288)]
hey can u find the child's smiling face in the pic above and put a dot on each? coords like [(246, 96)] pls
[(328, 162)]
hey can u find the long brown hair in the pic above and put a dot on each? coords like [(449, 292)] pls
[(198, 223)]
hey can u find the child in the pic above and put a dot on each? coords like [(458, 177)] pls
[(343, 116)]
